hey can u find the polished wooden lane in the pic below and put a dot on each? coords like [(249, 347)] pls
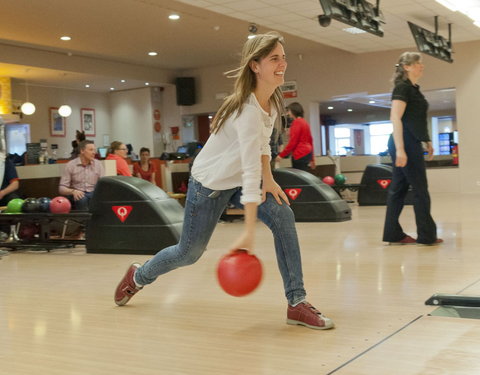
[(57, 314)]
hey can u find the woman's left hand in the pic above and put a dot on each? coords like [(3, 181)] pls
[(270, 186), (429, 150)]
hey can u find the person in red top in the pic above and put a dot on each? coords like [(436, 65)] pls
[(118, 152), (145, 168), (300, 144)]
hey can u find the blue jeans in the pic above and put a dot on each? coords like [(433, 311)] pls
[(84, 203), (203, 209)]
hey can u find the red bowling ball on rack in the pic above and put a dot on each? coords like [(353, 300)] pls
[(60, 205)]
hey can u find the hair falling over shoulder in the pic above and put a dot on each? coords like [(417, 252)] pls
[(245, 80)]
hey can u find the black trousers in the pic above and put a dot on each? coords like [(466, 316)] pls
[(413, 174), (302, 163)]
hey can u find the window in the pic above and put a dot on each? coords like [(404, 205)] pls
[(17, 136), (379, 134), (342, 140)]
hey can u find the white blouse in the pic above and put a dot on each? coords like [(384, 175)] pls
[(232, 157)]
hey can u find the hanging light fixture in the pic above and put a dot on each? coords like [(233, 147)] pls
[(64, 110), (27, 108)]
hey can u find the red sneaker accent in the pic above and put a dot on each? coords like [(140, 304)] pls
[(407, 240), (306, 315), (127, 288)]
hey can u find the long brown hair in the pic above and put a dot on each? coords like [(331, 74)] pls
[(254, 49)]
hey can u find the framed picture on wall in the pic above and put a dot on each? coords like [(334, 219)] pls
[(58, 124), (88, 121)]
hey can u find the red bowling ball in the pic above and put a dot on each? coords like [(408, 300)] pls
[(239, 272), (329, 180), (27, 231), (60, 205)]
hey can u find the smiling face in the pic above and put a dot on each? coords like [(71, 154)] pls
[(270, 70)]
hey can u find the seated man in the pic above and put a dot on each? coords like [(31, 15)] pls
[(10, 183), (81, 175)]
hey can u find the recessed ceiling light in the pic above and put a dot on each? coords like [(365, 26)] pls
[(152, 53), (122, 80), (174, 16), (330, 107), (147, 83), (350, 110), (65, 37), (371, 102), (87, 86), (112, 88)]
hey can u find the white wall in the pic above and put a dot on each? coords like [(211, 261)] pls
[(131, 113), (46, 97)]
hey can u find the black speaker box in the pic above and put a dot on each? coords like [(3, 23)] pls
[(185, 90)]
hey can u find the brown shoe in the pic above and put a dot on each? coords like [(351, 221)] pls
[(127, 288), (306, 315), (407, 240)]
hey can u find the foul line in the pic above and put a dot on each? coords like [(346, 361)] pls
[(374, 346)]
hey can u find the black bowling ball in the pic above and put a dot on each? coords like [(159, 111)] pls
[(30, 205), (44, 204)]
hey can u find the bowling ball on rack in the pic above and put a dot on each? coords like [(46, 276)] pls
[(44, 204), (14, 206), (30, 206), (60, 205), (27, 231), (329, 180), (239, 272), (340, 179)]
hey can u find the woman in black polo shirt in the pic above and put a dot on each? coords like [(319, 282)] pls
[(406, 146)]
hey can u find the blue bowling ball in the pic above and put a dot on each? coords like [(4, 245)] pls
[(43, 204)]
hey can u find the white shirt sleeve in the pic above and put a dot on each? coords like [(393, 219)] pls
[(249, 127)]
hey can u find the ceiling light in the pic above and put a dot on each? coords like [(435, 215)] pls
[(371, 102), (122, 80), (112, 88), (468, 7), (353, 30), (28, 108), (147, 83), (174, 16), (448, 4), (65, 37), (350, 110), (65, 110), (152, 53), (87, 86), (330, 107)]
